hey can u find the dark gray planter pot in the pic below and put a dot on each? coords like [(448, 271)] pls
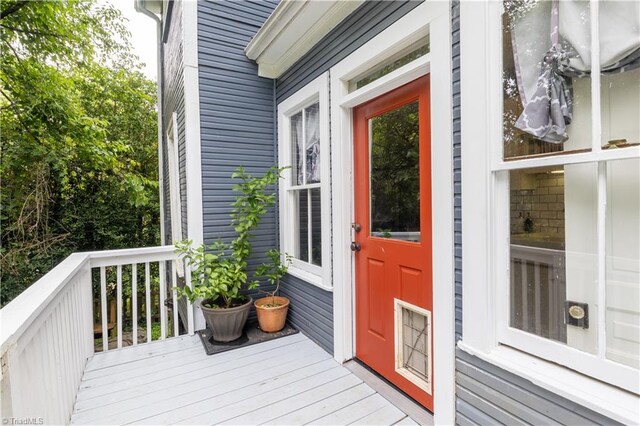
[(227, 324)]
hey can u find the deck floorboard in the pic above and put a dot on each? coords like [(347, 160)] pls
[(284, 381)]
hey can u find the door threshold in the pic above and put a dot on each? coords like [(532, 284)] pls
[(392, 394)]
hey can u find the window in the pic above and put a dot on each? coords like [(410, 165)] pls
[(562, 200), (174, 180), (174, 186), (304, 192)]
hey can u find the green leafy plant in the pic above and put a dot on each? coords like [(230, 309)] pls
[(274, 271), (219, 272)]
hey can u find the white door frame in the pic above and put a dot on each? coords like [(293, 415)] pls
[(433, 19)]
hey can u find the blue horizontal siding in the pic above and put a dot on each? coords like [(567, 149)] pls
[(236, 116), (173, 101)]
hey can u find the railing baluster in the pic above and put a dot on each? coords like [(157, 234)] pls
[(163, 295), (525, 294), (103, 306), (538, 302), (134, 301), (119, 304), (174, 284), (147, 290), (66, 324), (512, 293)]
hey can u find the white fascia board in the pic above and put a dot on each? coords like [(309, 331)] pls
[(292, 30)]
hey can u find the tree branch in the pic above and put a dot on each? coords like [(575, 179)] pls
[(13, 8), (32, 32)]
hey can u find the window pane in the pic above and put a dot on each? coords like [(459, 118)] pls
[(316, 227), (395, 174), (296, 149), (554, 252), (391, 64), (312, 138), (546, 83), (620, 81), (623, 262), (302, 252)]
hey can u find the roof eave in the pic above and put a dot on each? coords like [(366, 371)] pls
[(293, 28)]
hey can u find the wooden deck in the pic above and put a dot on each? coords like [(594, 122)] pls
[(285, 381)]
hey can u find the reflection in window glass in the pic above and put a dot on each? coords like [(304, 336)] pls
[(316, 228), (312, 144), (296, 148), (554, 251), (305, 145), (620, 66), (391, 64), (395, 174), (546, 83), (303, 226), (623, 262)]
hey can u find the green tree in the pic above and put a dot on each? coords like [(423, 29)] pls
[(79, 138)]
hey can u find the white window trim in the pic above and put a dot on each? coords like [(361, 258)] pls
[(317, 90), (484, 241), (175, 200), (174, 179), (431, 18)]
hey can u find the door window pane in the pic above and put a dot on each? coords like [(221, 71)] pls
[(395, 174), (553, 265), (546, 83), (623, 262)]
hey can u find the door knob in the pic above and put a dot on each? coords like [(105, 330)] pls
[(355, 246)]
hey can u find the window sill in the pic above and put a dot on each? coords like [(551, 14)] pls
[(603, 398), (308, 277)]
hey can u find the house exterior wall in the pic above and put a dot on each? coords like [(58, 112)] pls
[(173, 90), (486, 394), (311, 308), (236, 115)]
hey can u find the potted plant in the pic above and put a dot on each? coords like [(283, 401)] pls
[(219, 272), (272, 310)]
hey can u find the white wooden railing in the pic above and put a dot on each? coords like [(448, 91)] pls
[(538, 291), (47, 332)]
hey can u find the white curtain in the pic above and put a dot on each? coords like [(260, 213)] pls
[(552, 43), (297, 146), (312, 151)]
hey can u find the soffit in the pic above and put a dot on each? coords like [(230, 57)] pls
[(293, 28)]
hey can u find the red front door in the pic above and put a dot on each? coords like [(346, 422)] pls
[(393, 267)]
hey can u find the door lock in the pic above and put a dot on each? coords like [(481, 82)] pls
[(355, 246), (356, 227)]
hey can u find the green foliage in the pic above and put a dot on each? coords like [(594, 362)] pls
[(79, 138), (219, 273), (395, 171), (274, 270)]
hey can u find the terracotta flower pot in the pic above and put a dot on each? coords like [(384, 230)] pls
[(272, 318), (226, 324)]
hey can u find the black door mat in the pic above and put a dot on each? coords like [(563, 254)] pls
[(251, 335)]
